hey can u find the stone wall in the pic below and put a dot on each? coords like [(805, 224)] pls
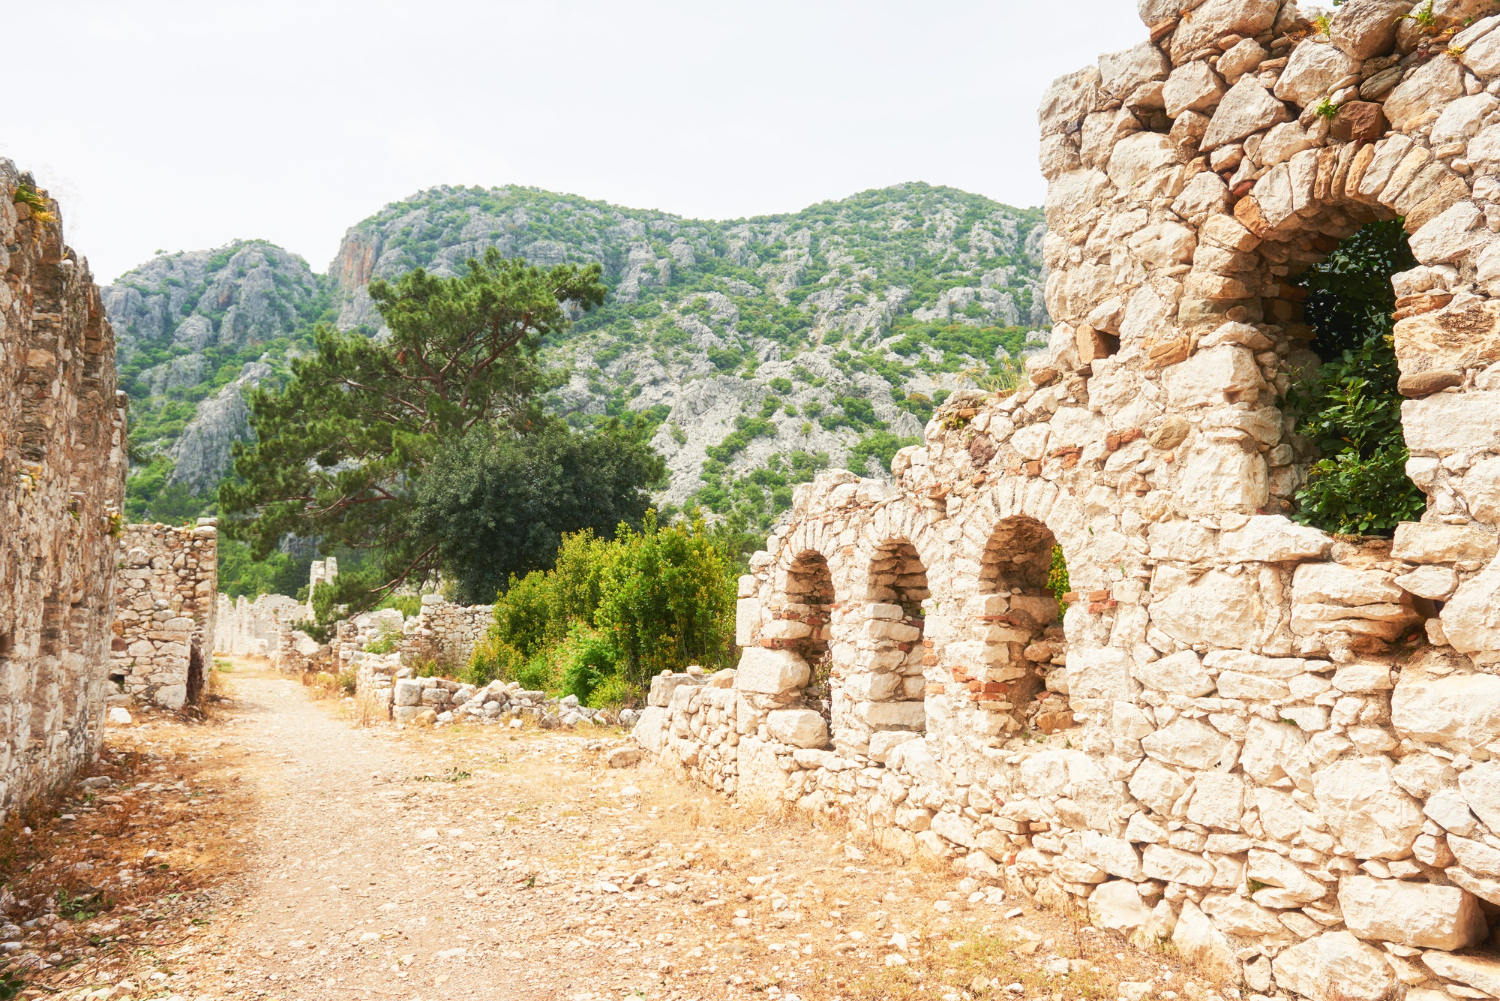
[(1274, 747), (253, 628), (167, 598), (444, 633), (62, 466)]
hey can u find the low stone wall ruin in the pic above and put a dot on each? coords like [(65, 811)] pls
[(1273, 747), (167, 602), (62, 466), (248, 628)]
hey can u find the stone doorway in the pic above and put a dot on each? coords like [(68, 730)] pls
[(1025, 648)]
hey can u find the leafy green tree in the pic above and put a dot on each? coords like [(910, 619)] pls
[(1351, 409), (340, 451), (498, 502)]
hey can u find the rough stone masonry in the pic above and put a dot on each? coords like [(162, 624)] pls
[(62, 466), (166, 603), (1275, 748)]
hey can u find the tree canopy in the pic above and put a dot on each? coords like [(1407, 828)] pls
[(499, 502), (340, 452)]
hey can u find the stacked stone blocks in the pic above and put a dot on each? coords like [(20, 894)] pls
[(62, 463), (1275, 748), (166, 604)]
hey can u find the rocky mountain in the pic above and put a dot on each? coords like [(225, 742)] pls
[(193, 330), (754, 351)]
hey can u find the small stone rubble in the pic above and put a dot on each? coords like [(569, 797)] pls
[(1274, 748), (165, 606)]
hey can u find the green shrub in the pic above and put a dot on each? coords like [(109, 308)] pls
[(588, 660), (1350, 409)]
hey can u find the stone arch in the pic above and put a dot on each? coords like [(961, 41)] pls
[(809, 601), (878, 686)]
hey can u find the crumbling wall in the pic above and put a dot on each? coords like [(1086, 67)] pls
[(1271, 746), (444, 633), (62, 466), (165, 620), (253, 628)]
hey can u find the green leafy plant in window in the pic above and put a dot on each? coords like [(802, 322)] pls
[(1350, 409)]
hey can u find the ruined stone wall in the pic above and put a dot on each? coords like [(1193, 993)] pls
[(167, 598), (444, 633), (253, 628), (62, 466), (1272, 746)]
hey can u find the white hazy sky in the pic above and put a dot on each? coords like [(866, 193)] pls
[(183, 125)]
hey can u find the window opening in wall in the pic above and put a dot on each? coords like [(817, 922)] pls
[(898, 583), (809, 594), (1346, 397), (1024, 576)]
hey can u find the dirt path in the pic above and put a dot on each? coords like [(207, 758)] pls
[(486, 863)]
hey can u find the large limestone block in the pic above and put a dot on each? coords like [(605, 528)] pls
[(1461, 711), (1234, 915), (1479, 972), (1471, 618), (1215, 609), (1212, 377), (1223, 477), (1455, 233), (798, 727), (1445, 423), (1291, 883), (408, 692), (1480, 786), (893, 715), (1115, 856), (1273, 751), (1203, 945), (1420, 542), (1335, 966), (1475, 856), (1158, 787), (1182, 673), (1273, 538), (1116, 906), (1218, 801), (1367, 28), (1176, 866), (1423, 94), (1464, 337), (1365, 809), (1416, 914), (761, 779), (1192, 86), (1480, 489), (1214, 19), (1313, 70), (648, 729), (1122, 72), (771, 672), (1246, 109), (1068, 99), (1332, 583), (1189, 743), (1100, 673), (1136, 158)]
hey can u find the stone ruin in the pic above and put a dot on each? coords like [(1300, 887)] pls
[(167, 598), (245, 628), (62, 463), (1274, 748)]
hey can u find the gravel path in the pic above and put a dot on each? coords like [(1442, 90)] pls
[(485, 863)]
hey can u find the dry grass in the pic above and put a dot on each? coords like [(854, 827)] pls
[(70, 867)]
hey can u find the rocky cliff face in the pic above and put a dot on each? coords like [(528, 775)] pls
[(756, 351), (195, 330)]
